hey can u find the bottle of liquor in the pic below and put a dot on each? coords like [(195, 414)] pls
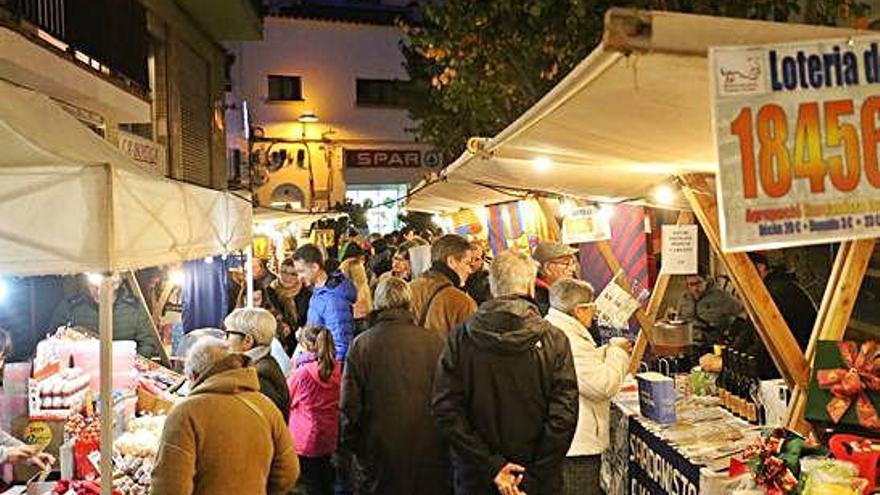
[(756, 411), (721, 383), (736, 395)]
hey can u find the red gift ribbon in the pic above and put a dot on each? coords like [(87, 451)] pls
[(850, 383)]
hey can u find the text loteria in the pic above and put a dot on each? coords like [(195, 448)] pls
[(833, 68)]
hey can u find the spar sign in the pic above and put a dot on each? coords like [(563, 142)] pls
[(797, 128)]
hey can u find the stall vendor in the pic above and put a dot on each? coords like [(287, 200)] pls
[(130, 318), (709, 308), (556, 261)]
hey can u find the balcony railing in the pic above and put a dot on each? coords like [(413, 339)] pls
[(112, 33)]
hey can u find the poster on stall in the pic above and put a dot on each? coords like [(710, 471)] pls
[(797, 128), (679, 255), (585, 225), (615, 305)]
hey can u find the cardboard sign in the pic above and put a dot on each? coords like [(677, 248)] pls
[(797, 127), (585, 225), (679, 249)]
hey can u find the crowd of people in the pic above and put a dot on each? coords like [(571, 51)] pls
[(356, 374)]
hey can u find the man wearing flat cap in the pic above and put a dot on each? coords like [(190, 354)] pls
[(556, 261)]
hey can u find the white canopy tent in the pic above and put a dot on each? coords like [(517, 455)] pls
[(71, 203), (634, 113), (273, 216)]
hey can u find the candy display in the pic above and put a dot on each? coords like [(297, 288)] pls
[(135, 455), (55, 396)]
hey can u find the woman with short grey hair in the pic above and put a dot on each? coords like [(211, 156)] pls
[(600, 373), (388, 375), (251, 331)]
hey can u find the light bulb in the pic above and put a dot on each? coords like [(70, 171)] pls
[(542, 164), (94, 278), (176, 277), (209, 260), (664, 195)]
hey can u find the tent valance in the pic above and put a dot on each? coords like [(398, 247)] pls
[(71, 202)]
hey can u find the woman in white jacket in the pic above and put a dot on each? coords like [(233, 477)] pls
[(600, 374)]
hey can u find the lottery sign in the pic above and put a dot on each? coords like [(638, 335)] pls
[(797, 128)]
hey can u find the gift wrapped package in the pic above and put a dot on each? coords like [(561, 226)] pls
[(845, 386)]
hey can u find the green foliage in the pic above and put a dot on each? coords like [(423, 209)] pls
[(357, 213), (476, 65), (417, 220)]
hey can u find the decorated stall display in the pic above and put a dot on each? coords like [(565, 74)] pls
[(845, 390), (56, 395), (155, 386), (135, 455)]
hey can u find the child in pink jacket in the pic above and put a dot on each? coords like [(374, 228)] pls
[(314, 409)]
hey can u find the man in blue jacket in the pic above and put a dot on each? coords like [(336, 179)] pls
[(332, 297)]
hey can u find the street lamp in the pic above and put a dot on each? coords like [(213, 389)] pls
[(308, 117)]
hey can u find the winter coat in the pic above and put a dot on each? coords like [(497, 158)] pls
[(314, 408), (272, 382), (542, 296), (600, 373), (477, 286), (711, 314), (505, 390), (331, 307), (796, 307), (294, 306), (225, 438), (386, 403), (130, 320), (450, 306)]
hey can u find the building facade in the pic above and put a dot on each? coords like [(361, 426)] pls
[(322, 93), (148, 75)]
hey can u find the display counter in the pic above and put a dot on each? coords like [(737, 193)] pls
[(645, 457)]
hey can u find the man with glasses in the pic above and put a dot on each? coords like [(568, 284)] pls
[(291, 297), (600, 373), (709, 308), (557, 261)]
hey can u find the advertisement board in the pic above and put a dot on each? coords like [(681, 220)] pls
[(796, 128)]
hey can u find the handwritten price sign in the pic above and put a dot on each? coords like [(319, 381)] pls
[(797, 128)]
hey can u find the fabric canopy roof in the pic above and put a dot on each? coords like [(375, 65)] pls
[(634, 113), (71, 202), (274, 215)]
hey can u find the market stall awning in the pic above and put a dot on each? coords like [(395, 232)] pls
[(277, 216), (634, 113), (71, 202)]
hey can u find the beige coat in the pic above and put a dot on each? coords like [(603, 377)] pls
[(600, 373), (355, 271), (226, 438), (450, 308)]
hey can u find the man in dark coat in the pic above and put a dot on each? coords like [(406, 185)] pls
[(793, 302), (386, 402), (250, 331), (505, 391)]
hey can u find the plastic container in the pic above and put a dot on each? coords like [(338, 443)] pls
[(87, 355)]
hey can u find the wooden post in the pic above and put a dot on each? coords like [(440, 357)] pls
[(844, 282), (654, 304), (139, 294), (772, 328)]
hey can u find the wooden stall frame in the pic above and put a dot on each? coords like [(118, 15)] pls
[(774, 331), (139, 294), (653, 308)]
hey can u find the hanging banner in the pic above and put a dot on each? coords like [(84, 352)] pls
[(679, 255), (585, 224), (149, 155), (796, 126)]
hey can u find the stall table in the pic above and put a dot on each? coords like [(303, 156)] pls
[(639, 460)]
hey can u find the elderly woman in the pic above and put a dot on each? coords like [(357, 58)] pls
[(600, 373), (251, 331), (386, 395), (225, 438)]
